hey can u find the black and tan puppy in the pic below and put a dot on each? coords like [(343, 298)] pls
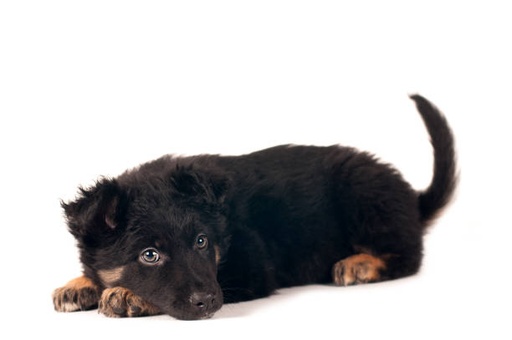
[(183, 235)]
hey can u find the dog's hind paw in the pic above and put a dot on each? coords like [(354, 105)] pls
[(77, 295), (360, 268), (121, 302)]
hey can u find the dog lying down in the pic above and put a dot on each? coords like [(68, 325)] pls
[(183, 235)]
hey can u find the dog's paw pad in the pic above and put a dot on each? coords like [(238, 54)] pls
[(360, 268), (78, 295), (121, 302)]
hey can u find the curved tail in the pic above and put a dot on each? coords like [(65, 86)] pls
[(444, 181)]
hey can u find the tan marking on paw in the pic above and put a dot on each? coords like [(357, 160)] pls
[(360, 268), (78, 294), (121, 302)]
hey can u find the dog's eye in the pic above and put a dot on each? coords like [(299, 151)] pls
[(201, 241), (150, 256)]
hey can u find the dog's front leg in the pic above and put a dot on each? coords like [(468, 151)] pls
[(77, 295), (122, 302)]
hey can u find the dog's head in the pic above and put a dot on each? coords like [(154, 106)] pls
[(160, 236)]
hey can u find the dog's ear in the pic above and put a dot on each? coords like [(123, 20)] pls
[(97, 210), (200, 186)]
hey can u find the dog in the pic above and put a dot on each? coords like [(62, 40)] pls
[(184, 235)]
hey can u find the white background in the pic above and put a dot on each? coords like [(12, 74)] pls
[(91, 88)]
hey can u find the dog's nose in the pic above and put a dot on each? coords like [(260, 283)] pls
[(202, 301)]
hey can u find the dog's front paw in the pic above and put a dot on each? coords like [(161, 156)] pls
[(78, 294), (121, 302)]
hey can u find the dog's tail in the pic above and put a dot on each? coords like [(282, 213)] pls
[(444, 181)]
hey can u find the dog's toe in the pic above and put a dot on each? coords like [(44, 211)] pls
[(113, 302), (121, 302), (71, 300)]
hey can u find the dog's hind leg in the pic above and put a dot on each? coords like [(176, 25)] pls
[(360, 268), (370, 266), (77, 295), (121, 302)]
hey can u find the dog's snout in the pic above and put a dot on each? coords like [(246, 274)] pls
[(202, 301)]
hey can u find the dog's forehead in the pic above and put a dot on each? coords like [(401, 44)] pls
[(157, 215), (165, 213), (165, 223)]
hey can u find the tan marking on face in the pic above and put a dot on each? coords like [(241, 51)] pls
[(110, 276), (217, 254), (359, 268)]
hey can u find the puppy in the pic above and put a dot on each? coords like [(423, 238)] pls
[(183, 235)]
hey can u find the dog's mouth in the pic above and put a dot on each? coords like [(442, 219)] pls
[(193, 316)]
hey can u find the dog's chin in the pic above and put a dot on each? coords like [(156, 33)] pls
[(192, 316)]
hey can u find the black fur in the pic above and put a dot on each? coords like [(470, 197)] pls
[(229, 229)]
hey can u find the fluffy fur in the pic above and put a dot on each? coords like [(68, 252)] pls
[(183, 235)]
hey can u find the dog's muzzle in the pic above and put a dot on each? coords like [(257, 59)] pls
[(198, 306), (204, 304)]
